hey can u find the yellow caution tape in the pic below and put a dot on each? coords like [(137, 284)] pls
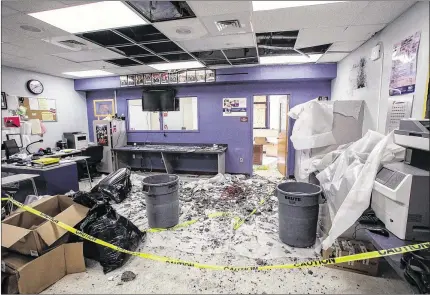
[(242, 221), (310, 263)]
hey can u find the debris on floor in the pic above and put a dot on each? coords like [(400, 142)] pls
[(128, 276)]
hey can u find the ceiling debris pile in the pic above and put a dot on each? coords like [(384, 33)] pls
[(216, 204)]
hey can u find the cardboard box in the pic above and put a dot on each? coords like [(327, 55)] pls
[(25, 274), (30, 234), (345, 247), (258, 155), (260, 140)]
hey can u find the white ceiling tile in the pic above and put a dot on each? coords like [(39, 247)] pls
[(357, 33), (10, 36), (193, 24), (28, 6), (89, 55), (381, 12), (14, 22), (244, 18), (345, 46), (120, 71), (141, 69), (332, 57), (219, 42), (98, 65), (326, 15), (318, 36), (77, 2), (205, 8), (36, 46), (6, 11)]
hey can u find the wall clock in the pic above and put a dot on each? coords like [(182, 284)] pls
[(35, 86)]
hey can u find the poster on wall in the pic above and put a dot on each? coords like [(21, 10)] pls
[(173, 78), (399, 107), (101, 134), (131, 80), (139, 79), (404, 65), (123, 81), (164, 78), (147, 79), (234, 107)]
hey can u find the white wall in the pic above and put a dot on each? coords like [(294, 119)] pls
[(413, 20), (71, 105)]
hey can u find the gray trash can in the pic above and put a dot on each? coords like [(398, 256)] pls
[(298, 213), (162, 200)]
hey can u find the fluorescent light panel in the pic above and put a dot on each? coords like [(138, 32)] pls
[(91, 17), (288, 59), (86, 74), (271, 5), (177, 65)]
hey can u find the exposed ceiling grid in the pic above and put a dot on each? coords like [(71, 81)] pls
[(331, 29)]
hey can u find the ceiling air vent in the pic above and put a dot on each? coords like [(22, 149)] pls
[(225, 25), (71, 44)]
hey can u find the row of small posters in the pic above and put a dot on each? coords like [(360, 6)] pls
[(189, 76)]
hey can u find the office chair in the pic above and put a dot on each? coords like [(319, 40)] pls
[(96, 154)]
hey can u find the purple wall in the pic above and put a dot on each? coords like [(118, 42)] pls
[(213, 127), (303, 72)]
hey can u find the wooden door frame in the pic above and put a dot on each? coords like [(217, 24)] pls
[(267, 118)]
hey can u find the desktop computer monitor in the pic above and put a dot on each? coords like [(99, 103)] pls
[(11, 148)]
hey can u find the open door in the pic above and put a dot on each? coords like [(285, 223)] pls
[(283, 136)]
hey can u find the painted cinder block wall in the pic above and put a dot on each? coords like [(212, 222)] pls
[(213, 126)]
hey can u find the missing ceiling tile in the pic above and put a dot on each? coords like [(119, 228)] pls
[(158, 11)]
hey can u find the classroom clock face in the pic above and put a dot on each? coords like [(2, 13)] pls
[(35, 86)]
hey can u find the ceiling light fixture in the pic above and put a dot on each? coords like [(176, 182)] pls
[(91, 17), (177, 65), (87, 74), (271, 5), (288, 59)]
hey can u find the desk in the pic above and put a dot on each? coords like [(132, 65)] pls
[(18, 178), (52, 180), (167, 150), (77, 159), (61, 154)]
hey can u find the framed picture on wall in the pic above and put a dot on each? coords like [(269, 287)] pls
[(3, 101), (191, 76), (155, 78), (210, 76), (147, 79), (123, 81), (139, 79), (173, 78), (164, 78), (182, 77), (103, 107), (131, 80), (200, 76)]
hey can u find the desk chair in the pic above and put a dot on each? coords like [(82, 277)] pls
[(96, 154)]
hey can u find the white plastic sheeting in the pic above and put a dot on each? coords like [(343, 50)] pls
[(313, 126), (348, 181)]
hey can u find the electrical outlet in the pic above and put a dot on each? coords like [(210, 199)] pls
[(134, 156), (241, 160)]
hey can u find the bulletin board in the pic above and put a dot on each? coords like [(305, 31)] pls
[(44, 109)]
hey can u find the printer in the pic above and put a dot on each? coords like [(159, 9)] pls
[(76, 140), (400, 196)]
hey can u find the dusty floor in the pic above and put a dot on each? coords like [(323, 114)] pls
[(212, 241)]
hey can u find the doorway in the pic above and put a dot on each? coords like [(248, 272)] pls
[(270, 135)]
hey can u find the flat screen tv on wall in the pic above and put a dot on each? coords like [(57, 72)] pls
[(159, 99)]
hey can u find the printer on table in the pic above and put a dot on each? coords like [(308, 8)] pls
[(76, 140), (400, 196)]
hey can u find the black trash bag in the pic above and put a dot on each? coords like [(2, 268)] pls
[(105, 224), (116, 186), (89, 199)]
